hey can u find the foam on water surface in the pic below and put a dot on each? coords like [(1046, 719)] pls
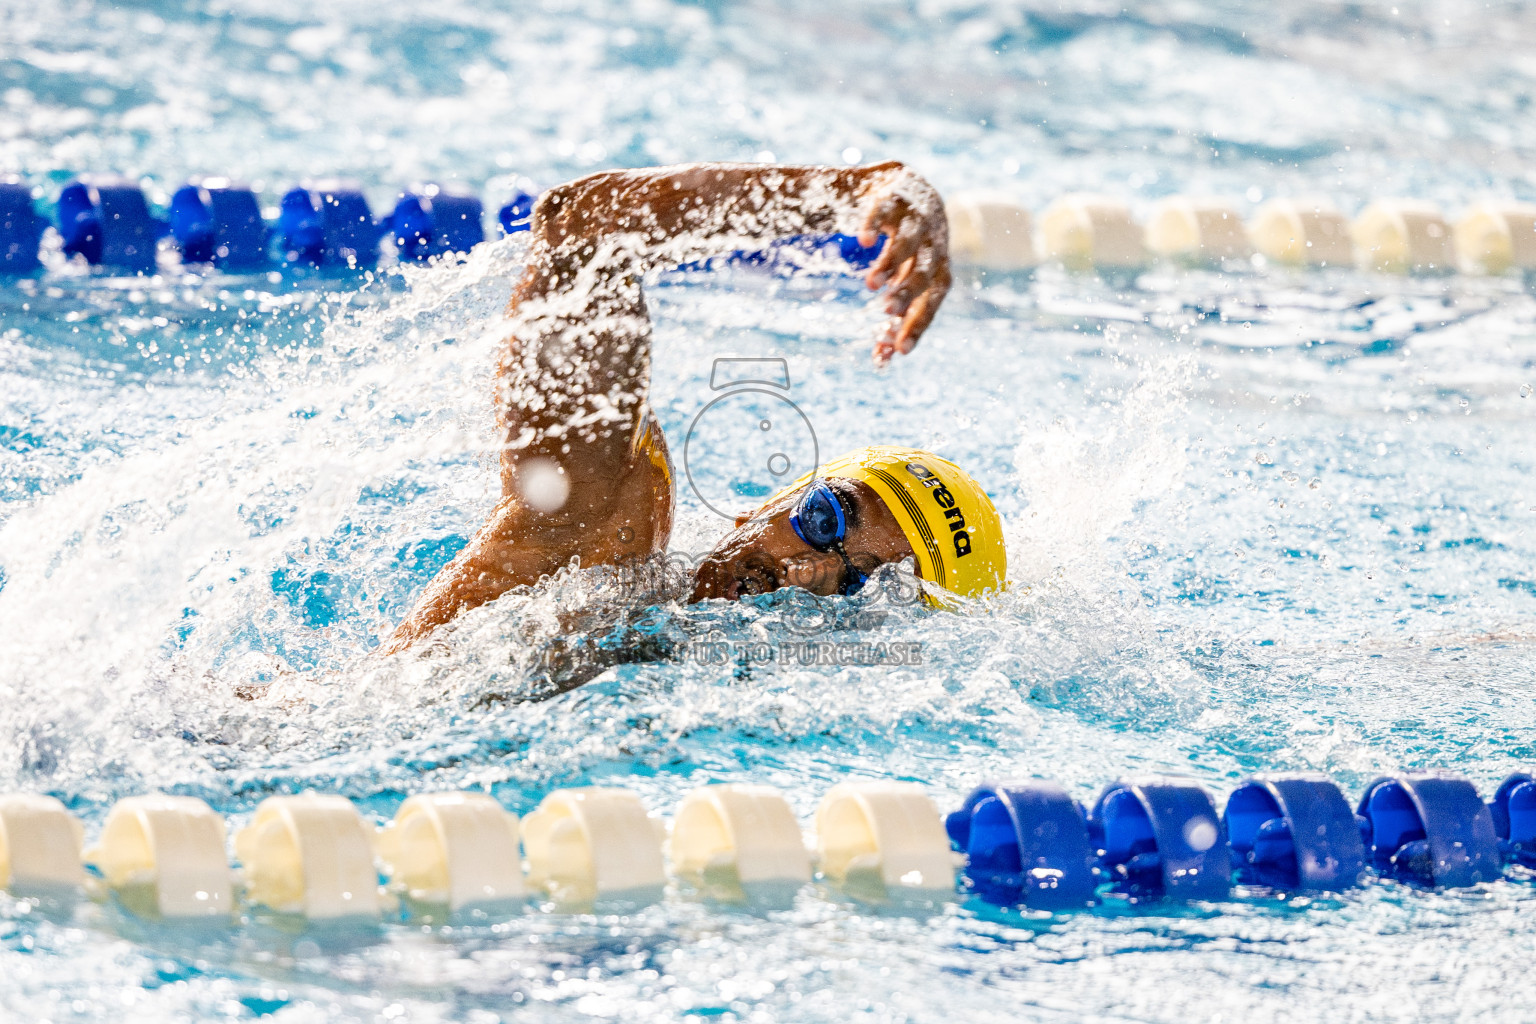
[(1276, 520)]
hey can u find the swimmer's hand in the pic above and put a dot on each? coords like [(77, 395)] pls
[(914, 265)]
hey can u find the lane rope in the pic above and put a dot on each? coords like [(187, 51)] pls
[(106, 221), (1012, 843)]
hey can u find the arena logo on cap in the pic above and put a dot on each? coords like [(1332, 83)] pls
[(945, 499)]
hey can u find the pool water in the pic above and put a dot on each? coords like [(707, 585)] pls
[(1258, 520)]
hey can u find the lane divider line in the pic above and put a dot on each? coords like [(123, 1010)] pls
[(1145, 840), (105, 220)]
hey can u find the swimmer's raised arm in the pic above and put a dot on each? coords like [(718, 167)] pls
[(584, 471), (655, 217)]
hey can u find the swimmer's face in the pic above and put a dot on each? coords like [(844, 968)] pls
[(764, 553)]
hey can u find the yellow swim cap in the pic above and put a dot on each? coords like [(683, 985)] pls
[(948, 519)]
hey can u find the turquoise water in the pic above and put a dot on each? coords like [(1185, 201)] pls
[(1267, 520)]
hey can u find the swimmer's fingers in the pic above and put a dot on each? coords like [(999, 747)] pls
[(913, 267), (912, 278), (910, 281), (885, 348), (918, 318), (911, 274), (920, 294), (905, 231), (885, 214), (900, 246)]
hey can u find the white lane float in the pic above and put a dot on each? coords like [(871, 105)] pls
[(165, 856), (39, 843), (884, 838), (1303, 232), (453, 849), (738, 835), (992, 230), (591, 842), (1403, 236), (311, 855), (1495, 237), (1087, 232), (1197, 230)]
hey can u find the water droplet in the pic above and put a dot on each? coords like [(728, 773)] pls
[(543, 484), (1200, 834)]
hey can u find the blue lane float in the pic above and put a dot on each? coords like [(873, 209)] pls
[(517, 214), (1025, 841), (21, 229), (794, 252), (1161, 837), (1430, 828), (1294, 832), (218, 221), (107, 221), (328, 224), (855, 253), (797, 252), (1513, 810), (431, 221)]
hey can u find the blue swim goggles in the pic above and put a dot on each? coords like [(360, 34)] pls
[(821, 520)]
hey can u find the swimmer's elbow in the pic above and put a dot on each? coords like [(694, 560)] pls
[(575, 210), (553, 212)]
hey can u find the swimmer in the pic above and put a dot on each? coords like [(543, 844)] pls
[(585, 471)]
